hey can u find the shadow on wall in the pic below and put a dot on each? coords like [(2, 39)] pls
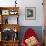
[(37, 29)]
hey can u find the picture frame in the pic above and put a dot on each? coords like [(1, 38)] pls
[(5, 12), (30, 13)]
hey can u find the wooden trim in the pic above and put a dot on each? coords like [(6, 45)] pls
[(1, 8), (11, 26), (44, 8)]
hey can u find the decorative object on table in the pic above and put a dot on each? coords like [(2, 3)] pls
[(30, 38), (13, 12), (15, 37), (7, 34), (30, 13), (15, 3), (6, 21)]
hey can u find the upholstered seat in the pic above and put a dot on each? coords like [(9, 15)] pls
[(30, 38)]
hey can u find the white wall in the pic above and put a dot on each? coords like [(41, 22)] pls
[(39, 13), (27, 3)]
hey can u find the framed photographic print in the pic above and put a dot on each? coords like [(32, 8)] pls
[(30, 13), (5, 12)]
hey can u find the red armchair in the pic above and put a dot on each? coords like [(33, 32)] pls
[(29, 36)]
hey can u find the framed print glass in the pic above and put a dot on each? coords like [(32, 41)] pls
[(30, 13)]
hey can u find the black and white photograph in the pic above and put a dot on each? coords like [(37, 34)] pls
[(30, 13)]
